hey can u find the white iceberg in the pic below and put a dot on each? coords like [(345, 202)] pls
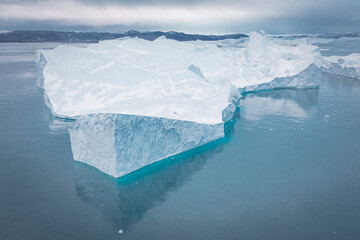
[(348, 66), (191, 81), (270, 64), (118, 144), (179, 93)]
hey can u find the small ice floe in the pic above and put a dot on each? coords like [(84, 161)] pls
[(348, 66), (121, 231)]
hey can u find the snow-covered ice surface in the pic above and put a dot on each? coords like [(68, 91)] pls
[(139, 101), (158, 78), (118, 144), (192, 81), (270, 64), (348, 66)]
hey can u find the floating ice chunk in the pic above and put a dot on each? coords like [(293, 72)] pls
[(119, 144), (270, 64), (348, 66), (308, 78)]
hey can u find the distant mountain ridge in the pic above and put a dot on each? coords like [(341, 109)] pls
[(93, 37), (338, 34)]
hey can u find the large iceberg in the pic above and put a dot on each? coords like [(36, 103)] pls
[(348, 66), (118, 144), (192, 81), (179, 94)]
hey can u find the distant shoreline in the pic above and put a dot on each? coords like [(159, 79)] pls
[(94, 37)]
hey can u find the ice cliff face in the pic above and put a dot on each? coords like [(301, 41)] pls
[(137, 101), (348, 66), (119, 144)]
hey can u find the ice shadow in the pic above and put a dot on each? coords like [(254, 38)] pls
[(339, 82)]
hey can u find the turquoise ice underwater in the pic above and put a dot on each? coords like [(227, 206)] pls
[(286, 169)]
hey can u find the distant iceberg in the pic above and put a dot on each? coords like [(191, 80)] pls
[(192, 86), (348, 66)]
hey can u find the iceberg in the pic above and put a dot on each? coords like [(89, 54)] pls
[(137, 101), (190, 81), (118, 144), (348, 66), (271, 64)]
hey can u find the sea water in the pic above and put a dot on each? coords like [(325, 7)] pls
[(288, 168)]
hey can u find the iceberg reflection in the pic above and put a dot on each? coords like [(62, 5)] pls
[(126, 200), (296, 105), (337, 83)]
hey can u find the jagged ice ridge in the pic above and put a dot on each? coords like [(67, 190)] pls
[(348, 66)]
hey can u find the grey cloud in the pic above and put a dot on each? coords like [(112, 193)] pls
[(289, 16)]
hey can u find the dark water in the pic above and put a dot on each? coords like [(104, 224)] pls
[(287, 169)]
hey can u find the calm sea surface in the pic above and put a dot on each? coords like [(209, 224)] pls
[(288, 168)]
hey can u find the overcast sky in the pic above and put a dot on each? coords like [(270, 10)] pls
[(214, 16)]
